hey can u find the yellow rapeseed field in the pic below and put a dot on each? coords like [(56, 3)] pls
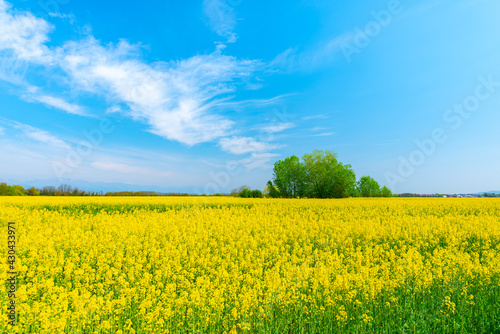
[(231, 265)]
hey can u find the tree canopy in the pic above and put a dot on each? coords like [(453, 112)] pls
[(320, 175)]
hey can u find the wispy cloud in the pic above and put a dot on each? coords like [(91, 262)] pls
[(60, 104), (318, 128), (310, 58), (178, 99), (69, 17), (322, 116), (277, 127), (254, 102), (2, 131), (127, 169), (242, 145), (221, 18), (324, 134), (40, 135), (259, 160)]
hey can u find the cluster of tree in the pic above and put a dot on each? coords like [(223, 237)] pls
[(320, 175), (62, 190), (246, 192), (14, 190), (65, 190)]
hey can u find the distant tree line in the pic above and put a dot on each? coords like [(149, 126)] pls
[(62, 190), (132, 193), (67, 190), (320, 175), (246, 192)]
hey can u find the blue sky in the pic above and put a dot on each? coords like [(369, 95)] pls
[(206, 95)]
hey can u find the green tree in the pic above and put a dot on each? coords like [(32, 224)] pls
[(271, 190), (245, 193), (290, 177), (368, 187), (236, 191), (32, 191), (257, 193), (6, 190), (386, 192), (18, 190), (326, 176)]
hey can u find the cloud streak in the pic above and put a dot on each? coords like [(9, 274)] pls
[(221, 18), (40, 135), (60, 104), (242, 145), (300, 59), (126, 169), (277, 127)]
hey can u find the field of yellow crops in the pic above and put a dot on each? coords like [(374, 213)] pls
[(232, 265)]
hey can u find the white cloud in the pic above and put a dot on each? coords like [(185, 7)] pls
[(242, 145), (324, 134), (318, 128), (259, 160), (315, 117), (71, 17), (221, 19), (174, 98), (124, 168), (23, 35), (2, 131), (278, 127), (178, 100), (307, 59), (40, 135), (256, 102), (60, 104)]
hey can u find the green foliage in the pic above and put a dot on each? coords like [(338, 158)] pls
[(271, 190), (256, 193), (15, 190), (290, 177), (368, 187), (320, 175), (32, 192), (246, 192), (386, 192)]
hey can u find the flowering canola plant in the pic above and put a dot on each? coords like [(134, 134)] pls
[(232, 265)]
